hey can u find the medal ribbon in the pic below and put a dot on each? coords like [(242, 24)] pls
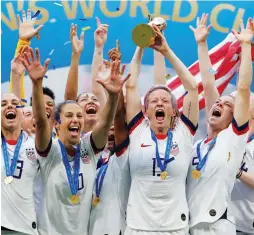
[(72, 179), (167, 158), (9, 170), (203, 160), (100, 178)]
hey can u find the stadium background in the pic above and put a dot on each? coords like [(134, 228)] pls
[(122, 16)]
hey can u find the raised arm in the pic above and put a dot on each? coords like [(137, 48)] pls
[(113, 84), (133, 99), (190, 104), (242, 100), (208, 79), (159, 69), (26, 33), (71, 89), (36, 73), (100, 38), (17, 71), (121, 132)]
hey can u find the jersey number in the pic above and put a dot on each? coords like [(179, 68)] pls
[(19, 169), (80, 181)]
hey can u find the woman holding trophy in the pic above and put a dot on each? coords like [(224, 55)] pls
[(158, 154)]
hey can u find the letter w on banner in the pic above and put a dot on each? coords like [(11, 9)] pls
[(225, 59)]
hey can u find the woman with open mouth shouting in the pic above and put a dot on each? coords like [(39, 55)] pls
[(68, 165)]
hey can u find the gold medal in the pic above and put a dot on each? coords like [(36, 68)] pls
[(8, 179), (163, 175), (195, 174), (96, 200), (74, 199)]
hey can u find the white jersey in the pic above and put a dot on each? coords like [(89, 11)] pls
[(155, 204), (17, 202), (108, 216), (242, 196), (209, 195), (64, 217)]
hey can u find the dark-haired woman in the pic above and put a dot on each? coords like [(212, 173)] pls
[(68, 165)]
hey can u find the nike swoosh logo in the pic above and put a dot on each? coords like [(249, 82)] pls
[(145, 145)]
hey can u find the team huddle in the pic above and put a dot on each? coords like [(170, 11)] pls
[(110, 162)]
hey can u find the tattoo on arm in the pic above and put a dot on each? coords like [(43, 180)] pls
[(189, 110)]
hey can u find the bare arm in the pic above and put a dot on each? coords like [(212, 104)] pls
[(119, 122), (71, 88), (208, 79), (159, 69), (248, 179), (36, 73), (133, 102), (100, 37), (242, 100), (113, 85), (26, 33)]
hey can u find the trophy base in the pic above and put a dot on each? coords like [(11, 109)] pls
[(143, 35)]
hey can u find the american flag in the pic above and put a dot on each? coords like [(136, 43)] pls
[(225, 59)]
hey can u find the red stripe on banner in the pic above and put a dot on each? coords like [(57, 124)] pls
[(194, 69)]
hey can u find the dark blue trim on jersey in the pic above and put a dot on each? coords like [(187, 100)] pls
[(120, 149), (135, 122), (189, 124), (240, 130), (46, 151)]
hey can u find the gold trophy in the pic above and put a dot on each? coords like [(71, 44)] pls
[(143, 35)]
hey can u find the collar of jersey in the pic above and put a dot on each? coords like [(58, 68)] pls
[(161, 136)]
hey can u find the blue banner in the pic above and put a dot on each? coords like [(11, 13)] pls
[(122, 17)]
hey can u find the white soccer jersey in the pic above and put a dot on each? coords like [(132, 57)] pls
[(17, 202), (242, 196), (155, 204), (64, 217), (209, 195), (108, 216)]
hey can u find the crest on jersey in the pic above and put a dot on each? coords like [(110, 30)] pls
[(30, 153), (174, 149), (84, 155)]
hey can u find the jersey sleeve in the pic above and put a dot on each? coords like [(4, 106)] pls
[(22, 88), (238, 136), (47, 161), (86, 141)]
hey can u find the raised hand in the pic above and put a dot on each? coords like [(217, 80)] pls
[(26, 28), (159, 43), (114, 82), (16, 64), (77, 44), (34, 68), (115, 54), (104, 70), (100, 34), (202, 31), (245, 36)]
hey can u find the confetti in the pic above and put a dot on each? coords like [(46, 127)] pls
[(58, 4), (75, 147), (46, 76), (117, 9), (37, 13), (52, 51), (67, 43), (84, 19), (235, 57), (24, 100), (20, 106), (186, 92), (212, 71), (53, 20), (86, 28)]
